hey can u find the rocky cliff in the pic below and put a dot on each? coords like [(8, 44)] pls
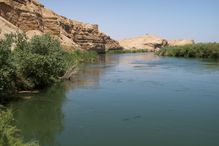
[(6, 27), (33, 18), (181, 42), (148, 42), (151, 43)]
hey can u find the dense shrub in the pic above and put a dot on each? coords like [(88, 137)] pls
[(32, 64), (7, 68), (210, 50), (40, 61), (9, 134), (35, 63)]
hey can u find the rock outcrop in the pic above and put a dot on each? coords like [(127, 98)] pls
[(148, 42), (181, 42), (6, 27), (33, 18), (151, 43)]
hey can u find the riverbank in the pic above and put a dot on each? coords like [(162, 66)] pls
[(201, 50), (128, 51), (28, 67)]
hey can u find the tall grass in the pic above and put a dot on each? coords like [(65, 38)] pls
[(80, 56), (201, 50)]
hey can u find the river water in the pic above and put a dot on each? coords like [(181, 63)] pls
[(128, 100)]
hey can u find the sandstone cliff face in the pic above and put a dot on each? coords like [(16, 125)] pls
[(33, 18), (148, 42), (6, 27)]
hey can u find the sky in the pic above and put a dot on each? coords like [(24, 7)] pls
[(171, 19)]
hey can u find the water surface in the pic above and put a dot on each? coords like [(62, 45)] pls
[(128, 100)]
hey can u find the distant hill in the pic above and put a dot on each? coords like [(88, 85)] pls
[(150, 42)]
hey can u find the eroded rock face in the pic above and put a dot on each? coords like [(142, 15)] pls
[(6, 27), (148, 42), (32, 17)]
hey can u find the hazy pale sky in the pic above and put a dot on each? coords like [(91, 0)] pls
[(172, 19)]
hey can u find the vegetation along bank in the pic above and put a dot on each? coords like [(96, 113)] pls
[(34, 64), (27, 65), (201, 50)]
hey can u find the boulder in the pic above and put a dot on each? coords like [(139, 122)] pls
[(32, 33)]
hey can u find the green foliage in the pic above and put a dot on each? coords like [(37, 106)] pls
[(210, 50), (127, 51), (40, 62), (9, 134), (80, 56), (35, 63), (7, 68)]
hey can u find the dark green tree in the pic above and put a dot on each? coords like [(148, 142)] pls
[(7, 68)]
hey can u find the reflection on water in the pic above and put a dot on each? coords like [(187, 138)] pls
[(41, 118), (126, 100)]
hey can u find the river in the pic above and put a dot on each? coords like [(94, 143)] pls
[(128, 100)]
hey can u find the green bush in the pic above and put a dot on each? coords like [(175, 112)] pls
[(9, 134), (40, 62), (7, 68), (35, 63), (209, 50)]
